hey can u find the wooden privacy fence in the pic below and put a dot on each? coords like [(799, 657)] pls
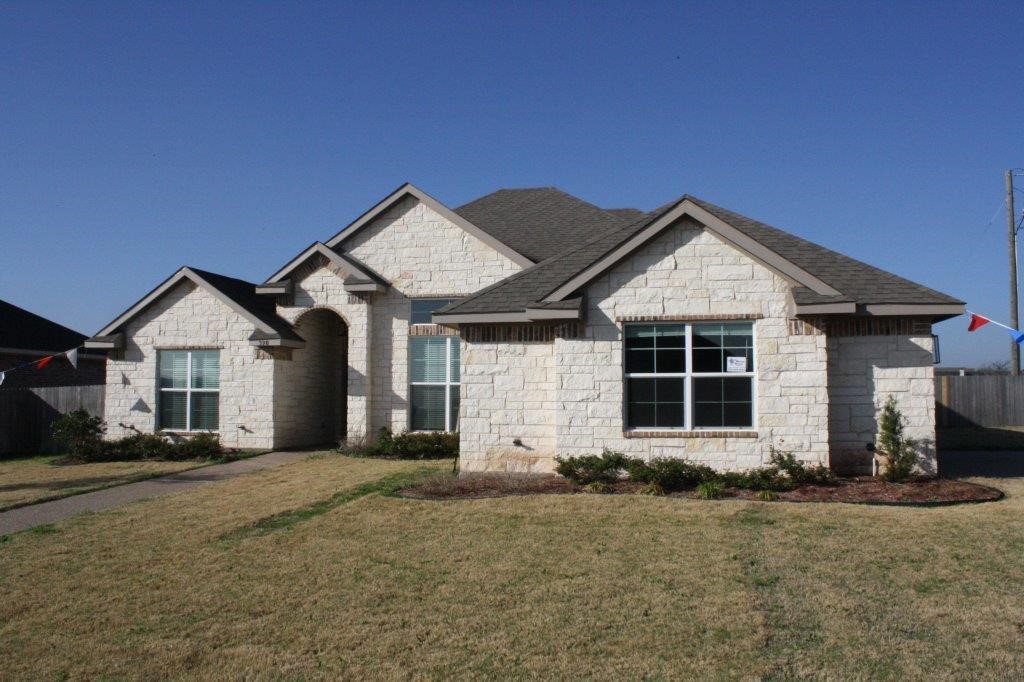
[(26, 415), (990, 400)]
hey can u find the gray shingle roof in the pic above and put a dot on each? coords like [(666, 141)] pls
[(244, 294), (541, 221), (856, 281)]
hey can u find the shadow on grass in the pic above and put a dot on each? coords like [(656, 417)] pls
[(388, 485)]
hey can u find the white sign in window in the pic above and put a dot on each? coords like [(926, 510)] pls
[(736, 363)]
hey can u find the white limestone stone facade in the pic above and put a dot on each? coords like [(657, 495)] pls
[(278, 399), (863, 372), (190, 317), (686, 273)]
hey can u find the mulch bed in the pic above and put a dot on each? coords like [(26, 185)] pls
[(860, 490)]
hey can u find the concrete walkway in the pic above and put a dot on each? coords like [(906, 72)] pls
[(24, 518)]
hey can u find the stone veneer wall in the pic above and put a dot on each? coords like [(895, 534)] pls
[(685, 272), (189, 317), (422, 255), (863, 371), (508, 393)]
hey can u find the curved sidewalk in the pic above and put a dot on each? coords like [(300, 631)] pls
[(24, 518)]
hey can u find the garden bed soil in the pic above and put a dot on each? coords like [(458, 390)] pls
[(858, 490)]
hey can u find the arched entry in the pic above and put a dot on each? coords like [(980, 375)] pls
[(314, 396)]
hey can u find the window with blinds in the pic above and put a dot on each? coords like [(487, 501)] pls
[(433, 383), (189, 385)]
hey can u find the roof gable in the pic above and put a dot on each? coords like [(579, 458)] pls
[(823, 280), (346, 262), (236, 294), (407, 190)]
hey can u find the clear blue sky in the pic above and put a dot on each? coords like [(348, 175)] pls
[(136, 137)]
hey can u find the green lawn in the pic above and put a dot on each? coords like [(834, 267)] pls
[(306, 571)]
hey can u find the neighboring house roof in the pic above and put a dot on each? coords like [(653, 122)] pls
[(22, 330), (539, 222), (237, 294), (409, 190), (825, 281)]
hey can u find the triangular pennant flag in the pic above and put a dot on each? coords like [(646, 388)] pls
[(72, 356), (3, 375), (45, 361), (976, 322), (1017, 335)]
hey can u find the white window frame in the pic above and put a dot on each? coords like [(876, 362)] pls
[(188, 390), (447, 383), (688, 376)]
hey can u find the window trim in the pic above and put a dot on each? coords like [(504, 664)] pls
[(447, 383), (688, 377), (188, 391)]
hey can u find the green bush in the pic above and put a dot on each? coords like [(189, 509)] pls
[(798, 472), (140, 446), (408, 445), (669, 474), (200, 446), (607, 467), (81, 434), (894, 445), (597, 487), (710, 490)]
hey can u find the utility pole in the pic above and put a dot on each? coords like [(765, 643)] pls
[(1012, 236)]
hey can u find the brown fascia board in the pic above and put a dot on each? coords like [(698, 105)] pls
[(281, 287), (105, 342), (172, 281), (336, 259), (935, 311), (409, 189), (726, 232), (528, 315)]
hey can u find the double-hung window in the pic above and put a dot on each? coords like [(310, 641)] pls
[(690, 376), (434, 383), (189, 390)]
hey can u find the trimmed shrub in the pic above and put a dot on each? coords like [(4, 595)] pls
[(140, 446), (200, 446), (798, 472), (407, 445), (607, 467), (669, 474)]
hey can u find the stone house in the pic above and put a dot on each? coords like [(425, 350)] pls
[(537, 324)]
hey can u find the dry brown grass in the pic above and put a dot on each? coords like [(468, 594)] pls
[(551, 586), (35, 479)]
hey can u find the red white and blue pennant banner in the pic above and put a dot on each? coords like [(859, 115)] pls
[(979, 321), (71, 355)]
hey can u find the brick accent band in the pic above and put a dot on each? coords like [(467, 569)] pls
[(522, 333), (869, 326), (431, 330), (688, 318)]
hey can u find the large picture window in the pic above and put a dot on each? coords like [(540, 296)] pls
[(189, 390), (434, 383), (690, 376)]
